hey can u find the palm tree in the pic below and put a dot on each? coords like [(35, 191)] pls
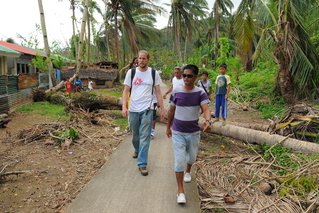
[(80, 45), (46, 43), (73, 4), (244, 31), (183, 16), (221, 7), (297, 60)]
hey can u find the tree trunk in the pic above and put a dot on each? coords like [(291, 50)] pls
[(107, 41), (259, 137), (185, 47), (98, 48), (46, 43), (285, 83), (88, 42), (79, 53), (216, 31), (178, 38), (117, 42), (106, 25), (73, 27)]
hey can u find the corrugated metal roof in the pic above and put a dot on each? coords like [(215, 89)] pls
[(18, 48), (8, 51)]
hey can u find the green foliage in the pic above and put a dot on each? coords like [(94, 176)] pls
[(41, 63), (70, 133), (58, 61), (282, 155), (164, 60), (56, 98), (45, 109), (301, 186)]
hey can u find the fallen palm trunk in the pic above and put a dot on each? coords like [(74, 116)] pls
[(259, 137)]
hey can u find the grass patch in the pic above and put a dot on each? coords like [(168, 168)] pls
[(46, 109), (122, 123), (269, 110), (115, 91)]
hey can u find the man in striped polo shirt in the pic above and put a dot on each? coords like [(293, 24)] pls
[(183, 116)]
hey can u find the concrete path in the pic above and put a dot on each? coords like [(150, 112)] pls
[(119, 186)]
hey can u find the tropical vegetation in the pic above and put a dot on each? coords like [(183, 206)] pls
[(284, 34)]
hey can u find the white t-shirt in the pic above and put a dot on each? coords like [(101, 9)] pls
[(141, 96), (90, 86), (177, 82)]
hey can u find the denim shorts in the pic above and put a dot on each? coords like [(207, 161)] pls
[(185, 149)]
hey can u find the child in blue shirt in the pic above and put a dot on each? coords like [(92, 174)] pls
[(222, 93)]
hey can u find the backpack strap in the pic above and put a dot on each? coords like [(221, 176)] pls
[(153, 77), (203, 87), (133, 71)]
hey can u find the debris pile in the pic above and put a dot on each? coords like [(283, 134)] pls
[(300, 121), (260, 179)]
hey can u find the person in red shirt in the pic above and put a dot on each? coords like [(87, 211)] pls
[(68, 87)]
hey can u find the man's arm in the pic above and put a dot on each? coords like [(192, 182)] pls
[(160, 101), (170, 117), (206, 111), (228, 90), (168, 91), (124, 100)]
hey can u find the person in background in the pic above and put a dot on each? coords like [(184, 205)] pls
[(183, 116), (90, 84), (68, 87), (205, 84), (176, 82), (77, 84), (222, 92), (131, 65)]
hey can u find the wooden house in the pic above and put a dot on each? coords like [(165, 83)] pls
[(102, 74), (22, 64), (6, 53)]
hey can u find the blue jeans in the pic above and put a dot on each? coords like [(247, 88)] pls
[(185, 149), (141, 124), (221, 102)]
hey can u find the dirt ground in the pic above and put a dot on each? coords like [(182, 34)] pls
[(53, 176)]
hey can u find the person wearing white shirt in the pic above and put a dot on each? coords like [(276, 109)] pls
[(176, 82), (142, 87)]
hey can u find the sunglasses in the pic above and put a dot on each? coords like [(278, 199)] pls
[(188, 76)]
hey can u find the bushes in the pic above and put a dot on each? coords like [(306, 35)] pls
[(39, 95)]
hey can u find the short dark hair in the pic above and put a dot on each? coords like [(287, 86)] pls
[(205, 73), (192, 67), (223, 65)]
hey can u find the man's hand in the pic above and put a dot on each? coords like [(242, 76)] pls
[(226, 97), (124, 112), (164, 96), (169, 132), (207, 126)]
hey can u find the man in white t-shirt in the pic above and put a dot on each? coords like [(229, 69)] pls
[(140, 112), (176, 82)]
